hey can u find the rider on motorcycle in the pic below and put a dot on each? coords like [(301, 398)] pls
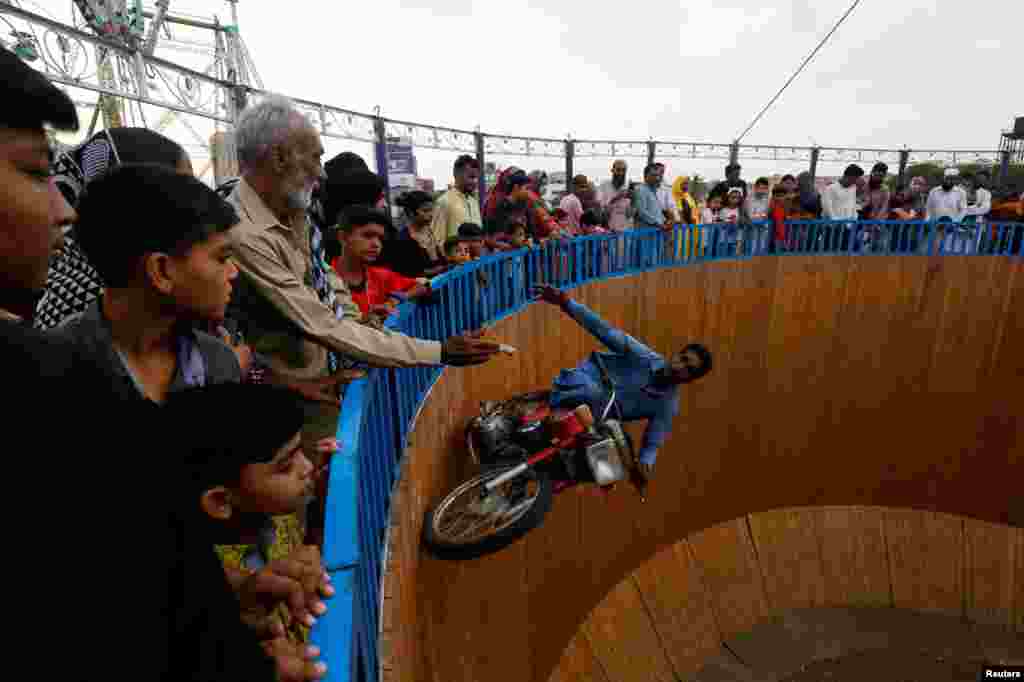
[(646, 383)]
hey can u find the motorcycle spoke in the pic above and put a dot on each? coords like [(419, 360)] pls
[(473, 530)]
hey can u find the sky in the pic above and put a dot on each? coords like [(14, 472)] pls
[(917, 73)]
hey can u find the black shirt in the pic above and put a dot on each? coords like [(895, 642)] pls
[(91, 334), (407, 257), (98, 542)]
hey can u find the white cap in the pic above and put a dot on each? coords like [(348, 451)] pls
[(952, 172)]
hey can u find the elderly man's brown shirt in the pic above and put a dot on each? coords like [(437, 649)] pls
[(275, 265)]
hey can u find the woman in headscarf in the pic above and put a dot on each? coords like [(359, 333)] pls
[(499, 193), (514, 186), (689, 214), (72, 283), (538, 183)]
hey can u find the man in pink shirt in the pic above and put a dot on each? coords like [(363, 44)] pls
[(616, 200), (572, 203)]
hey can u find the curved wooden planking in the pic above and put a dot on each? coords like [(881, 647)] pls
[(885, 381), (681, 615)]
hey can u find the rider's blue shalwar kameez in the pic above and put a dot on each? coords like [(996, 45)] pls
[(632, 368)]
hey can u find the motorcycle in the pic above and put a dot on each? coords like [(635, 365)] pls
[(526, 452)]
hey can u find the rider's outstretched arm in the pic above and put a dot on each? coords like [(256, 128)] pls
[(614, 339)]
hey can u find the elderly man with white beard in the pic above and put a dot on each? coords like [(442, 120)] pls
[(294, 311)]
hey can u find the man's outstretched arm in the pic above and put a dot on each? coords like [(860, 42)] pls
[(615, 340)]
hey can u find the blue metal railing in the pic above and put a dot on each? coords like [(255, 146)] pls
[(379, 411)]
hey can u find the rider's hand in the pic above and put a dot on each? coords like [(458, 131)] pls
[(294, 661), (550, 294), (468, 349)]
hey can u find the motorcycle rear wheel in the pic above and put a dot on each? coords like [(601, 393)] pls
[(467, 524)]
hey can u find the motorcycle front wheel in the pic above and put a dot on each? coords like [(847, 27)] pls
[(472, 522)]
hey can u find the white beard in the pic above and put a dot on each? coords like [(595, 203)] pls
[(301, 199)]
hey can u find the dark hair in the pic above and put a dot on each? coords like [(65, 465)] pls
[(880, 166), (762, 181), (590, 217), (138, 209), (359, 216), (788, 177), (853, 171), (345, 162), (450, 245), (231, 425), (650, 168), (778, 191), (732, 167), (517, 179), (350, 188), (470, 232), (31, 99), (465, 161), (411, 202), (706, 361), (141, 145)]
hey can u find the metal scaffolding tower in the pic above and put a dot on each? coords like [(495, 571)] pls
[(1012, 141)]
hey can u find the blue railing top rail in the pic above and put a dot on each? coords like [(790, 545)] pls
[(379, 412)]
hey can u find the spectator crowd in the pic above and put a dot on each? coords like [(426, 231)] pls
[(869, 208), (192, 346)]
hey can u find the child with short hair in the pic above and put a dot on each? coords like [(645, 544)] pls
[(242, 464), (759, 201), (472, 235), (730, 215), (709, 217), (456, 251), (518, 237), (373, 289), (710, 214), (157, 280)]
